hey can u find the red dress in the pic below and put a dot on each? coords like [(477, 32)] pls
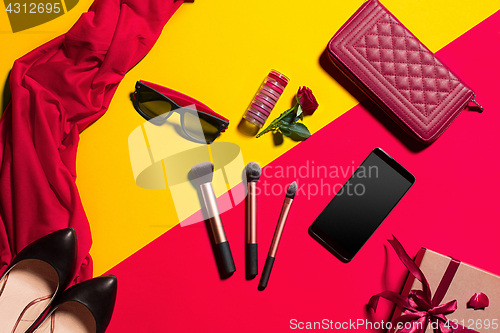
[(57, 91)]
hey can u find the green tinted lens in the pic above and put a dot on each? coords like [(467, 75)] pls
[(152, 103), (201, 126)]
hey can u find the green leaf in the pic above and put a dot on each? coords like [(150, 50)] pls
[(300, 130), (285, 130), (288, 119)]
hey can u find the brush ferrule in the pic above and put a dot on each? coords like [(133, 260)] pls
[(212, 210), (279, 228), (251, 230)]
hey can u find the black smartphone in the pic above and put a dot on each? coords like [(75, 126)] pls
[(361, 205)]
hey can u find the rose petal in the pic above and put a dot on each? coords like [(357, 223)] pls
[(478, 301), (307, 100)]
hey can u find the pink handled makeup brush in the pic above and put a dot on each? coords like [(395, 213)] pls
[(204, 175), (253, 171), (290, 195)]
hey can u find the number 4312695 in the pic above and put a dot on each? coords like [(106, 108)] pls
[(33, 8), (473, 324)]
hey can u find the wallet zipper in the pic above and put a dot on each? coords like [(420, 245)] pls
[(479, 106)]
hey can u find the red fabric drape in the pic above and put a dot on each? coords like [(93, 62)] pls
[(58, 90)]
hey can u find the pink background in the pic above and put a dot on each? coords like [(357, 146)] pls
[(173, 283)]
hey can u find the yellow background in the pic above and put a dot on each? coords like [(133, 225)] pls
[(218, 52)]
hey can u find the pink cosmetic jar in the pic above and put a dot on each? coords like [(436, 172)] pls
[(267, 97)]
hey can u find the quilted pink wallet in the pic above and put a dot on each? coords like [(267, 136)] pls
[(384, 59)]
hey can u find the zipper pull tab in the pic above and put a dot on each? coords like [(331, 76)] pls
[(478, 107)]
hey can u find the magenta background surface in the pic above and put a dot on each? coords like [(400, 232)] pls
[(173, 283)]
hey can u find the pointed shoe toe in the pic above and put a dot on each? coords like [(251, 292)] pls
[(58, 249), (86, 307), (40, 272)]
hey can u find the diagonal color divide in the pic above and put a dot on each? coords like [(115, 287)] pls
[(25, 15), (115, 204), (173, 281)]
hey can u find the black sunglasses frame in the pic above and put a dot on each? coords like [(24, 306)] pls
[(223, 124)]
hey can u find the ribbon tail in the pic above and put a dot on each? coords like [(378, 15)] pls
[(411, 266), (392, 297)]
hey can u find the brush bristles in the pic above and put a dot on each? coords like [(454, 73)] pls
[(253, 172), (292, 189), (203, 172)]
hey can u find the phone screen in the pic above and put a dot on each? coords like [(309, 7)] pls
[(361, 205)]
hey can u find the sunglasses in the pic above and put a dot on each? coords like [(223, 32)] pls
[(156, 104)]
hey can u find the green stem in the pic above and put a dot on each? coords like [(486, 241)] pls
[(275, 122)]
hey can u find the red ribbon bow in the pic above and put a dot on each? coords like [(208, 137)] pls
[(420, 308)]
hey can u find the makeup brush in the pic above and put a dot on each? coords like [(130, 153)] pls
[(290, 194), (204, 175), (253, 174)]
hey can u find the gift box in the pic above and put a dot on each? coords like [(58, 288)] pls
[(443, 295)]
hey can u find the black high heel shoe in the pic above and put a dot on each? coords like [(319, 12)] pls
[(84, 308), (39, 273)]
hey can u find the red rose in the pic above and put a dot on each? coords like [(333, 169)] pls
[(307, 100)]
